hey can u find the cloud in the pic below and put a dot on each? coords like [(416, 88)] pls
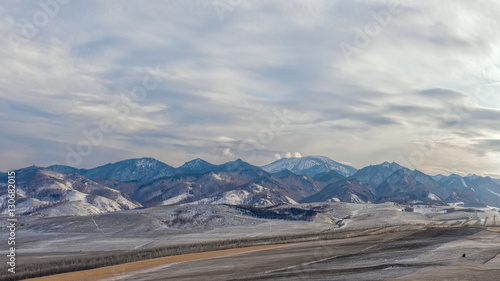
[(225, 139), (289, 155), (227, 152), (440, 93), (221, 81)]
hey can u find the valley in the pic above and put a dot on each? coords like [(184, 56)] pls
[(313, 216)]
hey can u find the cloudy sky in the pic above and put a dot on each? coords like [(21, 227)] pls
[(86, 83)]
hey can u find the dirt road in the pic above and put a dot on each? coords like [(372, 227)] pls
[(118, 271)]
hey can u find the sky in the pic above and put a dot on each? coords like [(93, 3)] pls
[(85, 83)]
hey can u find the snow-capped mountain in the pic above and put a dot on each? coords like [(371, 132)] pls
[(328, 177), (198, 180), (149, 182), (237, 165), (235, 181), (438, 177), (402, 187), (249, 193), (393, 182), (485, 190), (472, 190), (384, 182), (62, 169), (454, 181), (195, 166), (298, 186), (344, 191), (48, 193), (142, 169), (374, 175), (309, 166)]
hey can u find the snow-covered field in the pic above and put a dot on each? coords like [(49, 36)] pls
[(169, 225)]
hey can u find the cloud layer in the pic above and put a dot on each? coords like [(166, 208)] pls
[(257, 80)]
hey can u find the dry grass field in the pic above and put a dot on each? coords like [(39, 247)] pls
[(427, 254)]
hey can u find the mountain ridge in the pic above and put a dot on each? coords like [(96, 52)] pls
[(309, 166), (148, 182)]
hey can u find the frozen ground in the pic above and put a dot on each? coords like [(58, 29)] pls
[(435, 254), (168, 225), (56, 238), (150, 227)]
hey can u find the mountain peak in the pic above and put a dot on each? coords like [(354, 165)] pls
[(195, 162), (309, 166), (140, 169), (197, 165), (237, 164), (392, 165), (146, 162), (374, 175)]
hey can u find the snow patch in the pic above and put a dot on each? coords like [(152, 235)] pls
[(175, 199), (463, 182), (52, 174), (264, 201), (355, 199), (234, 197), (433, 196), (215, 176), (53, 186), (75, 195), (258, 188), (493, 192), (105, 204), (290, 200), (20, 192)]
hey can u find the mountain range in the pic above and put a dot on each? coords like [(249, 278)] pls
[(147, 182)]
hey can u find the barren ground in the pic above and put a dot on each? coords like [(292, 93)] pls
[(434, 254)]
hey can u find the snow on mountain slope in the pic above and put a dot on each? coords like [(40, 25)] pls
[(45, 192), (309, 165), (375, 175), (71, 208), (344, 191), (143, 169), (402, 187), (493, 192), (438, 177), (248, 193), (175, 199), (195, 166), (288, 180), (454, 181), (485, 190)]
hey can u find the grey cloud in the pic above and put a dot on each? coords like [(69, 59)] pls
[(223, 78), (443, 94), (491, 144)]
